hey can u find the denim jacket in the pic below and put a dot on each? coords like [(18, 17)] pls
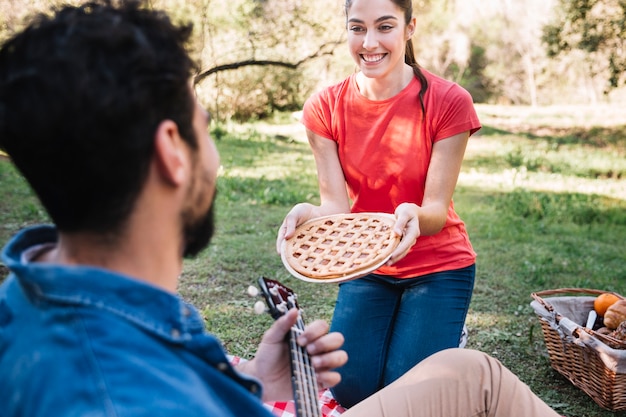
[(83, 341)]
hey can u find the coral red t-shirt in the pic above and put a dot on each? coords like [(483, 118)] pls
[(385, 149)]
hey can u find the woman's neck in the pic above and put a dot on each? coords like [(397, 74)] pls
[(379, 89)]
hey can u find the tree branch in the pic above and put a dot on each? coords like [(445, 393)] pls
[(264, 62)]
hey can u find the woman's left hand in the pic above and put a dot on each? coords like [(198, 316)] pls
[(407, 227)]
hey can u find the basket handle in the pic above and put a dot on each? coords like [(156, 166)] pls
[(563, 291), (608, 340)]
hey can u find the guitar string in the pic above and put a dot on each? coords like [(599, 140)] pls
[(306, 395), (301, 402), (304, 374), (310, 374)]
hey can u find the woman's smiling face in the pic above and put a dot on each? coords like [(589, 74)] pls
[(377, 35)]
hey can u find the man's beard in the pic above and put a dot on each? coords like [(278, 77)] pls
[(197, 233)]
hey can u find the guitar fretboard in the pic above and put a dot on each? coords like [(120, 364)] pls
[(303, 376), (280, 299)]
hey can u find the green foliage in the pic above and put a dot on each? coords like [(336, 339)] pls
[(555, 144), (580, 209), (19, 206), (258, 169), (258, 92), (597, 27), (262, 190), (502, 62), (517, 159), (474, 79), (278, 31)]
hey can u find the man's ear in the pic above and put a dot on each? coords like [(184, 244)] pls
[(171, 154)]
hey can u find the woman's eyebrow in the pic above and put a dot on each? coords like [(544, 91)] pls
[(380, 19)]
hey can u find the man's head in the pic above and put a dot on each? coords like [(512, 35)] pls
[(81, 96)]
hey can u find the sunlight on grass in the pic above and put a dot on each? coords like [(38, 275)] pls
[(275, 167), (248, 152), (545, 149), (554, 116), (511, 179)]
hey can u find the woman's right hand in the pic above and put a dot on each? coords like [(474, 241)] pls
[(332, 184), (297, 215)]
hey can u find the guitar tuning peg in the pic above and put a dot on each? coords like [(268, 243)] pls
[(253, 291), (259, 307)]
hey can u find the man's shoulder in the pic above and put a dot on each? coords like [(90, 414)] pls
[(76, 369)]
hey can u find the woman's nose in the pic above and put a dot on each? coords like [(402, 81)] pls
[(370, 41)]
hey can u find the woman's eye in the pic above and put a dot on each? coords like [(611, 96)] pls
[(385, 28), (356, 29)]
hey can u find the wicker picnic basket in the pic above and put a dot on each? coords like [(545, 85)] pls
[(593, 362)]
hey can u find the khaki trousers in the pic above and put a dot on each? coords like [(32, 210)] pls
[(455, 383)]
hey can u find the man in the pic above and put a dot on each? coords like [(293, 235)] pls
[(98, 113)]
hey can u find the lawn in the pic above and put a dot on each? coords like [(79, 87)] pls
[(542, 191)]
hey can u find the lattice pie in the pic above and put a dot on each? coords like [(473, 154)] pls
[(340, 247)]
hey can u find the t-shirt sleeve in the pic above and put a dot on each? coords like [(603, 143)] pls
[(457, 114), (317, 116)]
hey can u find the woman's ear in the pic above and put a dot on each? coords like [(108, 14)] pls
[(171, 154), (410, 28)]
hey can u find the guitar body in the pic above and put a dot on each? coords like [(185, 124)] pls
[(279, 300)]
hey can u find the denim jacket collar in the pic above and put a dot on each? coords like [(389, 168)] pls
[(149, 307)]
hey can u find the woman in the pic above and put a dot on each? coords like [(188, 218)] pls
[(391, 138)]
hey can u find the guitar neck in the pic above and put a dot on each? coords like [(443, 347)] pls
[(303, 376), (280, 299)]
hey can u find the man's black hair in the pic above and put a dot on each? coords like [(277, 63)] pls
[(81, 94)]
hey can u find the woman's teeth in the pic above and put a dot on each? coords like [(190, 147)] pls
[(372, 58)]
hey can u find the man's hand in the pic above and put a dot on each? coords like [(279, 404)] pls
[(272, 366)]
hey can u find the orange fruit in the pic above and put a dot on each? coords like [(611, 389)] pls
[(603, 302)]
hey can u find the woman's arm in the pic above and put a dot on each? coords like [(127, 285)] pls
[(330, 178), (429, 218), (443, 174), (332, 186)]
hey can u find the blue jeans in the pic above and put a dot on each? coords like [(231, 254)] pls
[(392, 324)]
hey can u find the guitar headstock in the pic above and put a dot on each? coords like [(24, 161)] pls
[(279, 299)]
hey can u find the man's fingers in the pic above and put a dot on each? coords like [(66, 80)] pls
[(276, 333)]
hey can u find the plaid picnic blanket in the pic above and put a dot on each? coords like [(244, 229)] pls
[(328, 405)]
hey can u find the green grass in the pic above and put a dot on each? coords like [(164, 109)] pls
[(18, 206), (542, 193)]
